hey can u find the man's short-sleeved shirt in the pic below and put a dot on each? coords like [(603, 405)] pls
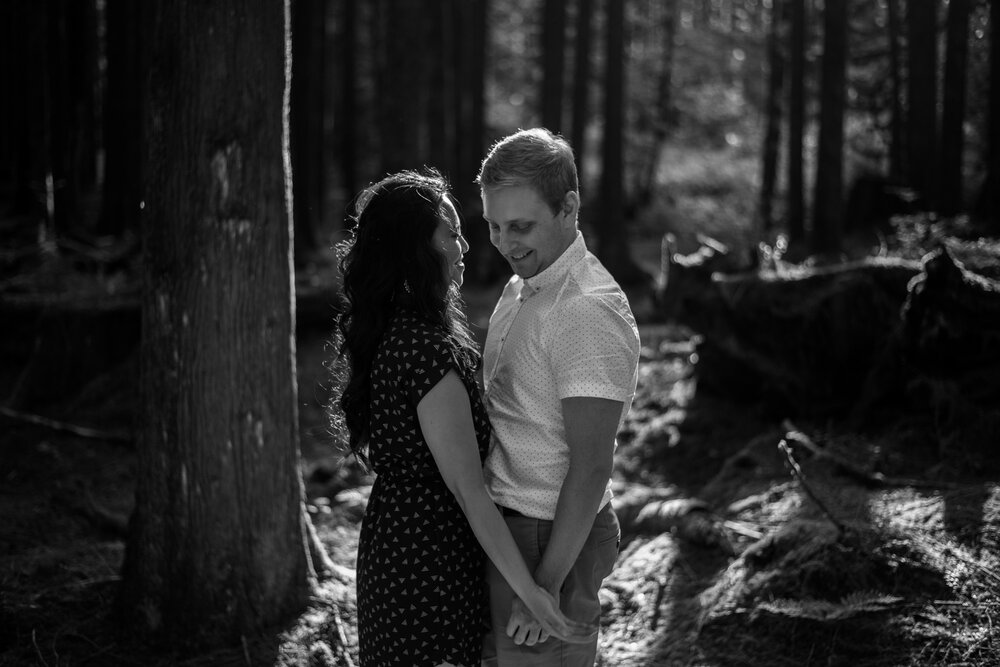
[(566, 332)]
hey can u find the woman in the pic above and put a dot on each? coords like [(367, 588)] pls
[(413, 413)]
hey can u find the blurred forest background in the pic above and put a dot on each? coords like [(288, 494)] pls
[(801, 198)]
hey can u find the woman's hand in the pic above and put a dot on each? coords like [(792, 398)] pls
[(533, 620)]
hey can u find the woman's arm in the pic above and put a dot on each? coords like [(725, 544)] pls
[(445, 416)]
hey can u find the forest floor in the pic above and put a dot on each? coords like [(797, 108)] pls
[(880, 550), (727, 559)]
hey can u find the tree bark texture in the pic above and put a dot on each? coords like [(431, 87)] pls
[(953, 116), (922, 126), (553, 63), (218, 543), (796, 211), (828, 202)]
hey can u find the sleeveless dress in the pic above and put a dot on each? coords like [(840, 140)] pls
[(421, 594)]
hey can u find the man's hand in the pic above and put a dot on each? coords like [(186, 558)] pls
[(522, 627)]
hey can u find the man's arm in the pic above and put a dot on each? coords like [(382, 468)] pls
[(591, 425)]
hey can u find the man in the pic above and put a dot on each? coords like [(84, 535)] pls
[(559, 372)]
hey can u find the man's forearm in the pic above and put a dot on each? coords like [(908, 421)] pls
[(579, 500)]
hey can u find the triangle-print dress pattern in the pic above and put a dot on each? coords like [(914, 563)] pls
[(421, 596)]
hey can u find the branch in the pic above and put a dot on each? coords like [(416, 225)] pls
[(121, 435), (800, 476)]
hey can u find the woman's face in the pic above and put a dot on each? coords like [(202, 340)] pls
[(448, 240)]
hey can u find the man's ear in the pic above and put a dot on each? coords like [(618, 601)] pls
[(571, 205)]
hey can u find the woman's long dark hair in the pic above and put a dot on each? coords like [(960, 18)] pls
[(390, 262)]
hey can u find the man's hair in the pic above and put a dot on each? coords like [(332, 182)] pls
[(535, 158)]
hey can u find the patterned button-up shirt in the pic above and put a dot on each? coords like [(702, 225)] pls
[(566, 332)]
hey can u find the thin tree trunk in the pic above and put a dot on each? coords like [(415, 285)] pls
[(123, 114), (772, 136), (60, 118), (347, 136), (828, 203), (898, 119), (796, 210), (612, 237), (581, 79), (306, 117), (83, 81), (988, 204), (953, 115), (218, 545), (553, 63), (403, 90), (662, 113), (922, 126)]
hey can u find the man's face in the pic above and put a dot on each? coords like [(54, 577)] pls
[(524, 229)]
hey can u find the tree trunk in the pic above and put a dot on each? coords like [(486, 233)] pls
[(402, 83), (218, 542), (921, 19), (953, 115), (898, 120), (83, 66), (612, 246), (772, 137), (123, 114), (581, 79), (988, 203), (662, 113), (487, 265), (828, 204), (8, 112), (306, 117), (795, 214), (347, 122), (553, 63), (444, 103), (63, 207)]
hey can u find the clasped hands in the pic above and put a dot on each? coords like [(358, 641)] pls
[(525, 628)]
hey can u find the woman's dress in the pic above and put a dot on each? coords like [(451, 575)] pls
[(421, 596)]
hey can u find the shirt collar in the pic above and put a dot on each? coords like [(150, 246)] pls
[(559, 268)]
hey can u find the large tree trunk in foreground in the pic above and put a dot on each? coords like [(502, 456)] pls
[(217, 548)]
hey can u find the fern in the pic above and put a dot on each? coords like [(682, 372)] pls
[(823, 610)]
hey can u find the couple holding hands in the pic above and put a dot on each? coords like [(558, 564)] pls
[(489, 528)]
